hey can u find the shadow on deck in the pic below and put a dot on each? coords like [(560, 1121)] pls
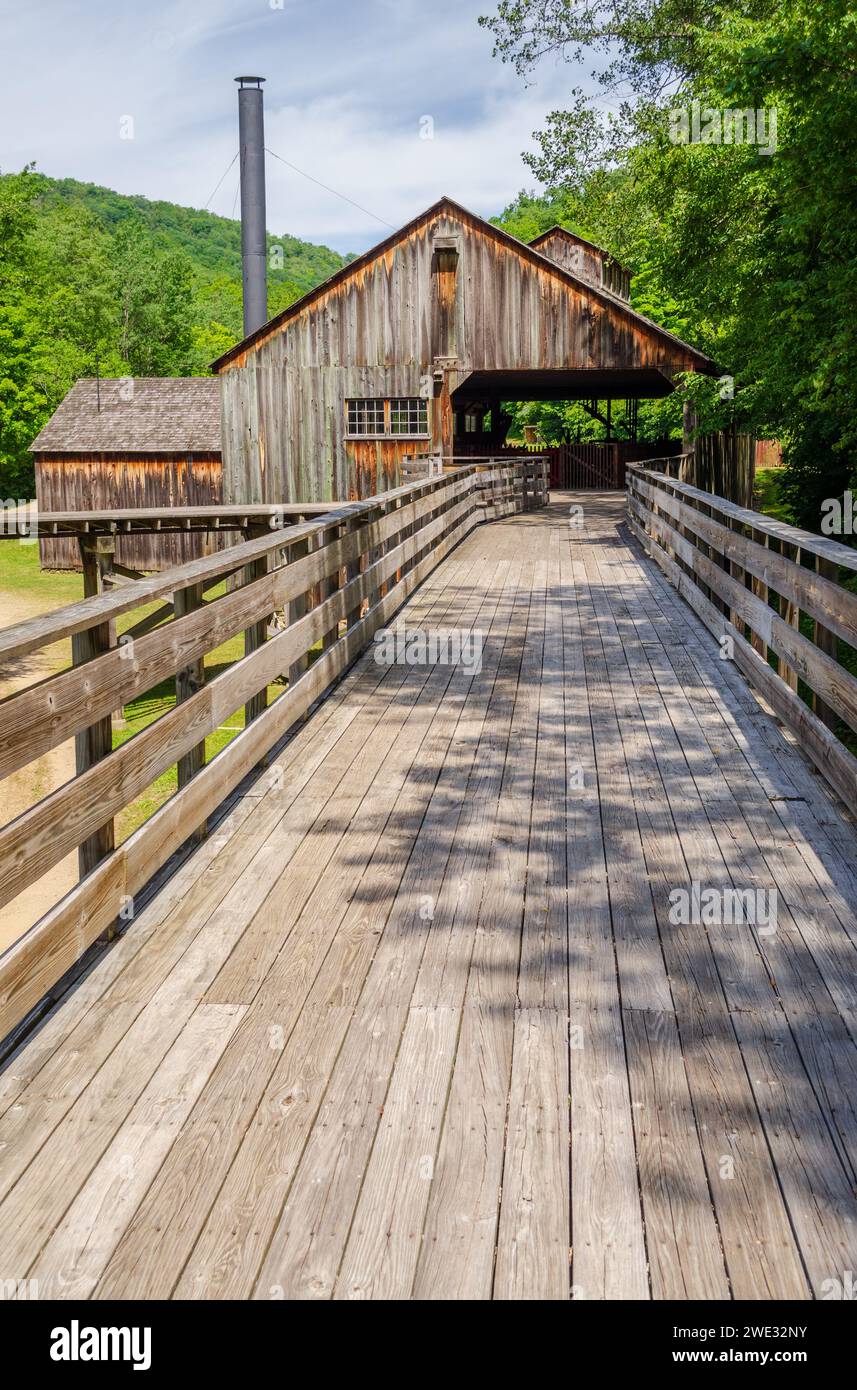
[(424, 1017)]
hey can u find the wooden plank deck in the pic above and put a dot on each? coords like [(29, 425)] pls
[(415, 1022)]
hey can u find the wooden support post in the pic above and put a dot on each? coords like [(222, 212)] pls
[(738, 573), (826, 641), (329, 587), (377, 553), (94, 743), (257, 633), (189, 680), (298, 608), (760, 589), (406, 533), (397, 539), (352, 570), (791, 615)]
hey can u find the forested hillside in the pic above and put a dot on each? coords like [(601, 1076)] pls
[(90, 278)]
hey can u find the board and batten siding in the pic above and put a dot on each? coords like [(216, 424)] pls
[(77, 482), (382, 328)]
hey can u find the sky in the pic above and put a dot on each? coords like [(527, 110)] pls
[(348, 92)]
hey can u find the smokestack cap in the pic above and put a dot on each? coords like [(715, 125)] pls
[(257, 81)]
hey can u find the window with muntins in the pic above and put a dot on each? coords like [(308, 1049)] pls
[(404, 417), (366, 417), (409, 415)]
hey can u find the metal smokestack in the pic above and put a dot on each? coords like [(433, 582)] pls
[(251, 139)]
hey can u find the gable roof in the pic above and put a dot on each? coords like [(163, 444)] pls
[(575, 237), (446, 204), (143, 415)]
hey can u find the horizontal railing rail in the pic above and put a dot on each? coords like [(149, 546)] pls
[(778, 594), (335, 580), (125, 521)]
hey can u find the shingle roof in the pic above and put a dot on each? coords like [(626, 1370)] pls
[(144, 415)]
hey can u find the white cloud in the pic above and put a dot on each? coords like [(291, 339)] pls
[(346, 87)]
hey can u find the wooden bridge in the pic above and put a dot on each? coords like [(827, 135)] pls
[(442, 1006)]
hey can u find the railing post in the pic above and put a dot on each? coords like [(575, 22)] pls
[(298, 608), (329, 587), (826, 641), (353, 569), (189, 680), (738, 573), (791, 615), (378, 553), (94, 743), (257, 633), (760, 589)]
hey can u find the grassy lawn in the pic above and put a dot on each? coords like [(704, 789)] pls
[(766, 496), (20, 574), (155, 703)]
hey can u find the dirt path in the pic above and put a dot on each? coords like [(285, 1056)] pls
[(24, 788)]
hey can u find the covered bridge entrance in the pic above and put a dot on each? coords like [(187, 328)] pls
[(416, 347)]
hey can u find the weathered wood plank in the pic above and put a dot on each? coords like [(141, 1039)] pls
[(82, 1243), (233, 1253), (411, 996)]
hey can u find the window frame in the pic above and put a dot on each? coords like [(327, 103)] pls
[(387, 432), (406, 404), (365, 401)]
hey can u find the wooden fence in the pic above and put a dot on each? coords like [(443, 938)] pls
[(590, 464), (336, 579), (751, 580), (723, 463)]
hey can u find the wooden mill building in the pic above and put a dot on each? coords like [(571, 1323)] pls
[(409, 350), (413, 347), (131, 442)]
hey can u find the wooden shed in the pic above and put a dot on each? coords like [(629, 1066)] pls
[(131, 442), (413, 347)]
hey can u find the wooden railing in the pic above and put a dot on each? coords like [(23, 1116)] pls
[(752, 580), (533, 470), (336, 580)]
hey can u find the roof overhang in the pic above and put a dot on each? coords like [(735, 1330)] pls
[(644, 383)]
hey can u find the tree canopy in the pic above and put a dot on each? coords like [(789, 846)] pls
[(746, 248), (91, 281)]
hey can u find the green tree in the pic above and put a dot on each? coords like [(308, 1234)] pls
[(56, 316), (154, 292), (747, 252)]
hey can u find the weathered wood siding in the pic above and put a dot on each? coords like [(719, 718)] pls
[(383, 328), (93, 482), (574, 256)]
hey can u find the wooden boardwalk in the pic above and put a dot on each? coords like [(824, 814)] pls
[(415, 1022)]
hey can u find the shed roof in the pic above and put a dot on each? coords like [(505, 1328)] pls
[(141, 415), (449, 205)]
